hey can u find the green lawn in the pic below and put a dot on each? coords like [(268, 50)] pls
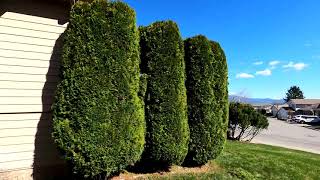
[(250, 161), (268, 162)]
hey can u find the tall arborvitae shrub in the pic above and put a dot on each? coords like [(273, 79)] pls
[(166, 102), (98, 116), (221, 97), (207, 99)]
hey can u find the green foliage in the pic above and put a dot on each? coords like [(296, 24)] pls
[(143, 86), (245, 119), (166, 102), (221, 98), (98, 117), (262, 111), (294, 93), (207, 98)]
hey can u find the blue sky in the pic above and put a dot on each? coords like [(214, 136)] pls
[(270, 44)]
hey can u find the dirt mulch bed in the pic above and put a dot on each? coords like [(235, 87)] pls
[(174, 170)]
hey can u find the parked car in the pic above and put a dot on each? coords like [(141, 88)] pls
[(306, 119), (296, 118)]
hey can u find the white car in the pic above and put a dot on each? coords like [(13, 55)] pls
[(297, 118), (306, 119)]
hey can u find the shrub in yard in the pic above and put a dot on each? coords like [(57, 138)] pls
[(206, 83), (221, 97), (165, 100), (245, 122), (98, 116)]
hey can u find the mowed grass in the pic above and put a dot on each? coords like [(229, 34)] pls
[(253, 161), (247, 161)]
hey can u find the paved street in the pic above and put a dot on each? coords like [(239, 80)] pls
[(294, 136)]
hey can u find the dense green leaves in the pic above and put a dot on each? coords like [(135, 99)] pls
[(166, 102), (294, 92), (221, 98), (245, 122), (98, 116), (206, 83)]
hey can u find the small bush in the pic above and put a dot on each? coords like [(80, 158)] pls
[(166, 102), (245, 122), (98, 116), (207, 99)]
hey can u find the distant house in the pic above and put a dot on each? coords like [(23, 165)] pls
[(310, 110), (316, 109), (276, 107), (265, 107), (297, 104), (285, 113), (305, 111)]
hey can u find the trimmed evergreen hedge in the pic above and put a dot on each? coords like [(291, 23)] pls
[(207, 99), (221, 97), (166, 102), (98, 116)]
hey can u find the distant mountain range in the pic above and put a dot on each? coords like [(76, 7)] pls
[(255, 100)]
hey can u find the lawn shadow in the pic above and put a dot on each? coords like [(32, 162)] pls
[(148, 166), (189, 163)]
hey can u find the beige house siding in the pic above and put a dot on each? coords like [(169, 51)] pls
[(29, 73)]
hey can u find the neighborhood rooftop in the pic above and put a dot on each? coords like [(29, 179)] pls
[(305, 101)]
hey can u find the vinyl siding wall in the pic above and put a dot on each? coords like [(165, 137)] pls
[(27, 88)]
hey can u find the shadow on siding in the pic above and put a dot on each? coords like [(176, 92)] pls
[(47, 162)]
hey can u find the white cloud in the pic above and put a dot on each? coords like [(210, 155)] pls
[(274, 63), (307, 44), (266, 72), (297, 66), (244, 75), (258, 63)]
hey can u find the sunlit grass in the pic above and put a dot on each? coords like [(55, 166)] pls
[(247, 161), (269, 162)]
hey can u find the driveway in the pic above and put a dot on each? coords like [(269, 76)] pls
[(294, 136)]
